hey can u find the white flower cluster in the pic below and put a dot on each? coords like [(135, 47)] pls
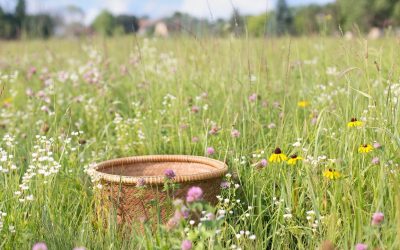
[(129, 131), (42, 164), (6, 159), (157, 63), (2, 215), (8, 77), (317, 161)]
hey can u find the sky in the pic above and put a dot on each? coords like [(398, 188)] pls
[(211, 9)]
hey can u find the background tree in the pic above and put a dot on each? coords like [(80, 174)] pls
[(236, 23), (20, 13), (39, 26), (257, 25), (283, 18), (104, 23), (129, 23), (8, 25)]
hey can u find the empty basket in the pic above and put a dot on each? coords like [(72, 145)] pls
[(120, 178)]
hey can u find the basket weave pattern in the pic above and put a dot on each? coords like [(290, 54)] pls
[(119, 178)]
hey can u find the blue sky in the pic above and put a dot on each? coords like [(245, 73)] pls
[(158, 8)]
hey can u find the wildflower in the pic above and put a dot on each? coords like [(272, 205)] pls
[(209, 216), (271, 125), (263, 162), (79, 248), (195, 109), (195, 139), (235, 133), (140, 182), (287, 216), (252, 237), (39, 246), (186, 245), (210, 151), (331, 174), (297, 144), (194, 194), (354, 123), (253, 97), (361, 246), (225, 185), (293, 159), (376, 145), (303, 104), (169, 173), (377, 218), (277, 156), (366, 148), (214, 130), (375, 160)]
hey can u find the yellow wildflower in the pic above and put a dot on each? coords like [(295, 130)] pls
[(354, 123), (7, 101), (303, 104), (366, 148), (331, 174), (277, 156), (293, 159)]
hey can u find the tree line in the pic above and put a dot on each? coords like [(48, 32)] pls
[(331, 18)]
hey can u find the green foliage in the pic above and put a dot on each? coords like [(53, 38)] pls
[(20, 12), (38, 26), (104, 23), (257, 25), (236, 23), (128, 23), (284, 18), (107, 25)]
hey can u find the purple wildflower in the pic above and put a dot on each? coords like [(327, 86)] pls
[(263, 162), (253, 97), (194, 194), (377, 145), (377, 218), (195, 109), (235, 133), (225, 185), (169, 173), (140, 182), (186, 245), (361, 246), (210, 151), (375, 160), (39, 246)]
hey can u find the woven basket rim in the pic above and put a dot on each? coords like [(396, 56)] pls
[(220, 169)]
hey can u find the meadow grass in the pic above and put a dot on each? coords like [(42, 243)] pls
[(90, 100)]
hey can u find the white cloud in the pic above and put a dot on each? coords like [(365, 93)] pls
[(117, 6), (224, 8)]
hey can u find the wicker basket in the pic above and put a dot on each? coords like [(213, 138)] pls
[(120, 178)]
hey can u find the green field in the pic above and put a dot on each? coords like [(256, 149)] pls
[(74, 103)]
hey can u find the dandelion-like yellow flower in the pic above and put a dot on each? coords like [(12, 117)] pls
[(7, 101), (331, 174), (366, 148), (293, 159), (277, 156), (354, 123), (303, 104)]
